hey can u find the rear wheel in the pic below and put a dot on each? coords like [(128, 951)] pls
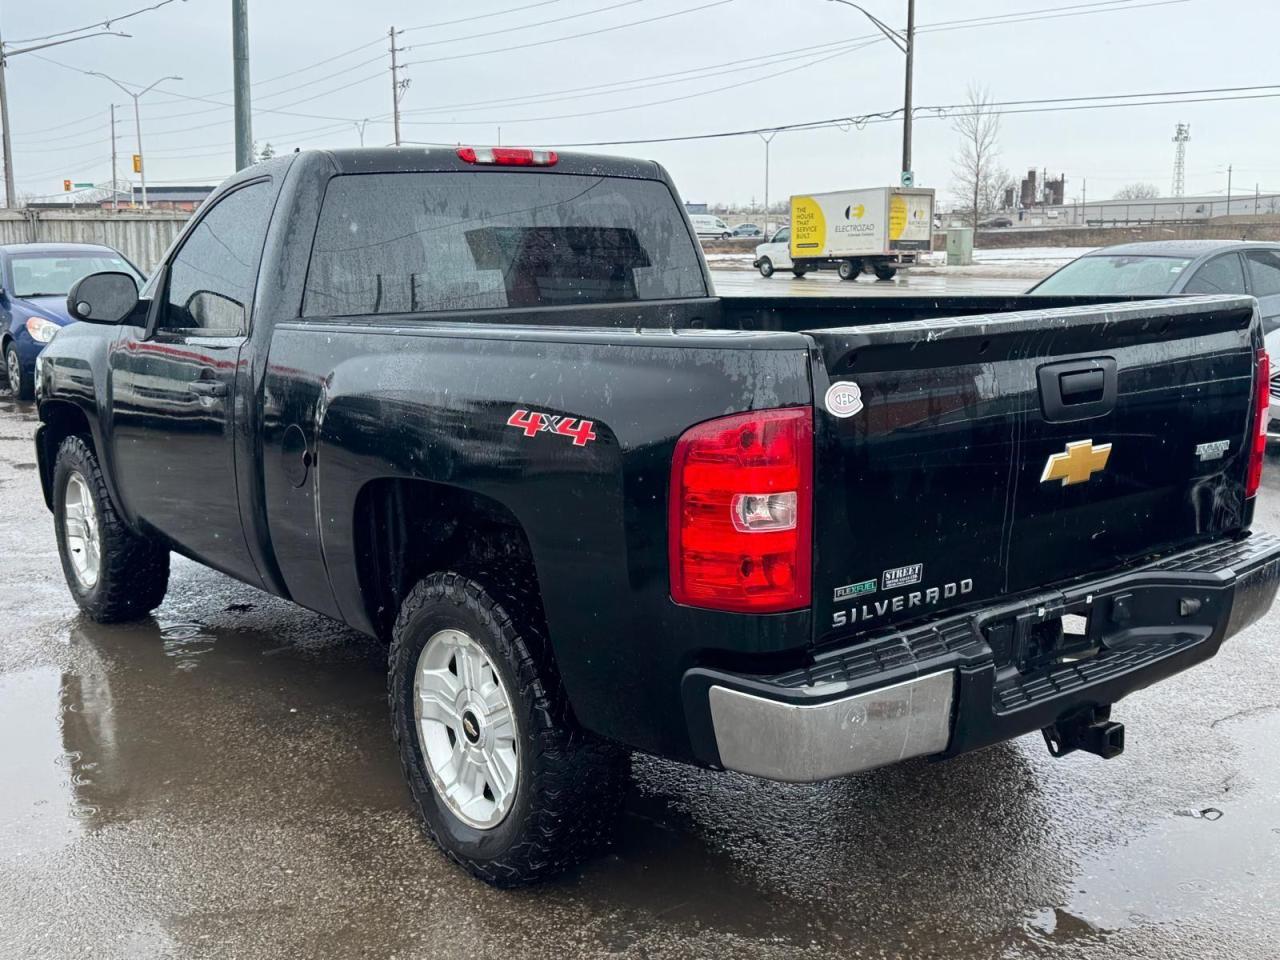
[(501, 776), (766, 267), (799, 271), (849, 269), (885, 271), (114, 575), (20, 384)]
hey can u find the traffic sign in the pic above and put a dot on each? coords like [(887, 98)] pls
[(83, 186), (137, 163), (908, 178)]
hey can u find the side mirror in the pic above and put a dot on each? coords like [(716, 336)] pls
[(108, 297)]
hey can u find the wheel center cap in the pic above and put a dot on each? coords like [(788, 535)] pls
[(470, 727)]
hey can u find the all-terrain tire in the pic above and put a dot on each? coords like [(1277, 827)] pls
[(569, 784), (133, 571)]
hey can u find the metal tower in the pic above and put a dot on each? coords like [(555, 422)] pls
[(1180, 137)]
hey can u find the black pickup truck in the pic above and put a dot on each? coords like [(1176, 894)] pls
[(484, 404)]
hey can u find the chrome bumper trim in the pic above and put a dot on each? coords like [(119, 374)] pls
[(801, 743)]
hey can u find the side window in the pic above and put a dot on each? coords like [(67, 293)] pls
[(211, 279), (1264, 272), (1220, 275), (782, 236)]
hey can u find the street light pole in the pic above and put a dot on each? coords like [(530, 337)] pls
[(906, 44), (137, 123), (767, 140)]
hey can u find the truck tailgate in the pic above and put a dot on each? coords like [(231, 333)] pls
[(969, 458)]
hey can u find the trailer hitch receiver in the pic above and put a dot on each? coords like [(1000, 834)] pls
[(1089, 730)]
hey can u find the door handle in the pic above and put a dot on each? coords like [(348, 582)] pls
[(208, 388)]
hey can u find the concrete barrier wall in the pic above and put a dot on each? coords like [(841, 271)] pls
[(1238, 228), (143, 238)]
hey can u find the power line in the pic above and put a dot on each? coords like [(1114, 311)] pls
[(527, 26), (1085, 9), (106, 24), (638, 83), (573, 36), (940, 112), (651, 103)]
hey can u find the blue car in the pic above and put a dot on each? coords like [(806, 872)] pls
[(35, 279)]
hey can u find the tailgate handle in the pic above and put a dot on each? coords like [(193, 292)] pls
[(1077, 389), (1083, 387)]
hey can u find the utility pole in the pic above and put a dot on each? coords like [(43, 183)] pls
[(906, 100), (905, 44), (7, 148), (4, 123), (115, 187), (137, 123), (240, 80), (767, 140), (1228, 190), (398, 86)]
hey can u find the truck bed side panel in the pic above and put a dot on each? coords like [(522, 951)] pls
[(413, 399)]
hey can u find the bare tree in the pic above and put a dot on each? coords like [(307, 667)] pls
[(979, 180), (1138, 191)]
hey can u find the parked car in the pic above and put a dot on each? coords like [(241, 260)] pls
[(1170, 267), (594, 508), (995, 223), (705, 225), (748, 230), (34, 281)]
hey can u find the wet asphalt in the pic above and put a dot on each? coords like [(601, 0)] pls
[(219, 781)]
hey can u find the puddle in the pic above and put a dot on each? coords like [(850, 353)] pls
[(186, 643), (1201, 860), (40, 806)]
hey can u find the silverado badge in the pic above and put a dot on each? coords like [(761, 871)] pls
[(1080, 461)]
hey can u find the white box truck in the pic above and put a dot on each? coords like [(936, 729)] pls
[(879, 230)]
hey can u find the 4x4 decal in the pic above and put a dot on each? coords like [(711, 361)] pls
[(533, 423)]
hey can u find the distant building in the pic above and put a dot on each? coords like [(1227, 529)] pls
[(165, 198)]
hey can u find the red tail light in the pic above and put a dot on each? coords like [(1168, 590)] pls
[(741, 512), (1262, 402), (509, 156)]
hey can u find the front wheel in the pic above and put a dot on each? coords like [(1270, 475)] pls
[(766, 267), (21, 385), (502, 778), (849, 269), (114, 574)]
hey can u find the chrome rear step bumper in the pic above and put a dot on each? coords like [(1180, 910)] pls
[(957, 684)]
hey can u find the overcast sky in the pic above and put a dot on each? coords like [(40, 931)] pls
[(783, 59)]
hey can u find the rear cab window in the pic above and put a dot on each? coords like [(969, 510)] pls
[(436, 242)]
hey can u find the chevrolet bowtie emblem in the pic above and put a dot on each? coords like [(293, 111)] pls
[(1080, 461)]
